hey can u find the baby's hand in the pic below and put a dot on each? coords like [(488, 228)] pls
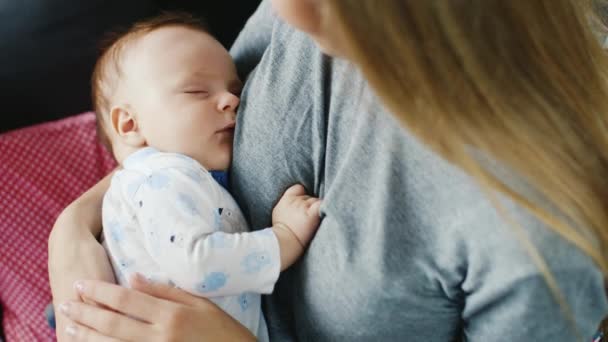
[(295, 220), (299, 212)]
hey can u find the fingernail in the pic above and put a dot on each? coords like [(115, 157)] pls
[(79, 286), (71, 330), (64, 308)]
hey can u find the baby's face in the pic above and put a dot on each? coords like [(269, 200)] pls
[(183, 88)]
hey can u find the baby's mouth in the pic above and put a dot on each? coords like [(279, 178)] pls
[(227, 129)]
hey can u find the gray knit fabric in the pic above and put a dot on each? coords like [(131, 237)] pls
[(409, 248)]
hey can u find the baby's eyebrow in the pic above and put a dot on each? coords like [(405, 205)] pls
[(196, 76), (189, 80)]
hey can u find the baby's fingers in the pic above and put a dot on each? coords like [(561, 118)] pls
[(310, 201), (295, 190), (313, 210)]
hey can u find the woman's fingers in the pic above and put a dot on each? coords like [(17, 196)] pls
[(105, 322), (173, 294), (127, 301), (79, 332)]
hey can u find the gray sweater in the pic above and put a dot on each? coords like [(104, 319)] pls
[(409, 248)]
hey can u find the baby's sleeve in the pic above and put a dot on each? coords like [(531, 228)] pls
[(177, 215)]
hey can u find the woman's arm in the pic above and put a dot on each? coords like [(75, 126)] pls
[(74, 252)]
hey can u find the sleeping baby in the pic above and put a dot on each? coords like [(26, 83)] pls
[(166, 94)]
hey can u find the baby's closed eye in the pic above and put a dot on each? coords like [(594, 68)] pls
[(196, 91)]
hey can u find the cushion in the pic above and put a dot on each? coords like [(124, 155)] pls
[(42, 169)]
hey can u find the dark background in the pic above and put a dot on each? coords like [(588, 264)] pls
[(48, 48)]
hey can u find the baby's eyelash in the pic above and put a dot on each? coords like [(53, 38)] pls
[(195, 92)]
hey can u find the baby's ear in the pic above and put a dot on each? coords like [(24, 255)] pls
[(125, 125)]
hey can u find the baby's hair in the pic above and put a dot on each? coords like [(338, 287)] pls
[(107, 71)]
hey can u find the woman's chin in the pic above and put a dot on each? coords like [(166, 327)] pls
[(327, 49)]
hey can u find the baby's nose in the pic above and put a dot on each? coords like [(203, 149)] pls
[(228, 102)]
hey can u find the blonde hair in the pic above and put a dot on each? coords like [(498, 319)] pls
[(107, 70), (522, 82)]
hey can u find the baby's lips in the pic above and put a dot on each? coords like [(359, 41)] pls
[(228, 127)]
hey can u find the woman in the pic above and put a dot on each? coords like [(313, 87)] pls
[(410, 246)]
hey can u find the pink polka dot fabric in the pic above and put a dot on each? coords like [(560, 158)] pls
[(42, 169)]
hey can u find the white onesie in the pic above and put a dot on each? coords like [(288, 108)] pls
[(165, 217)]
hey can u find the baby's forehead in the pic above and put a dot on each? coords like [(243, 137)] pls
[(163, 46), (174, 50), (130, 49), (128, 54), (170, 56)]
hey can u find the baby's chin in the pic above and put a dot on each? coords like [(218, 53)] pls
[(219, 164)]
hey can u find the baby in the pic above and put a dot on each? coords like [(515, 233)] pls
[(166, 94)]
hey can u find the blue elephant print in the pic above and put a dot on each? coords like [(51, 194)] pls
[(187, 204), (194, 175), (244, 301), (116, 231), (157, 181), (213, 282), (133, 187), (255, 262), (140, 156), (219, 240), (185, 158)]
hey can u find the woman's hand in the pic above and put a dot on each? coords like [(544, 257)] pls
[(148, 312), (87, 259), (74, 252)]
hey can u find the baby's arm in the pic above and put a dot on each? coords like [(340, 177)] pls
[(182, 236)]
